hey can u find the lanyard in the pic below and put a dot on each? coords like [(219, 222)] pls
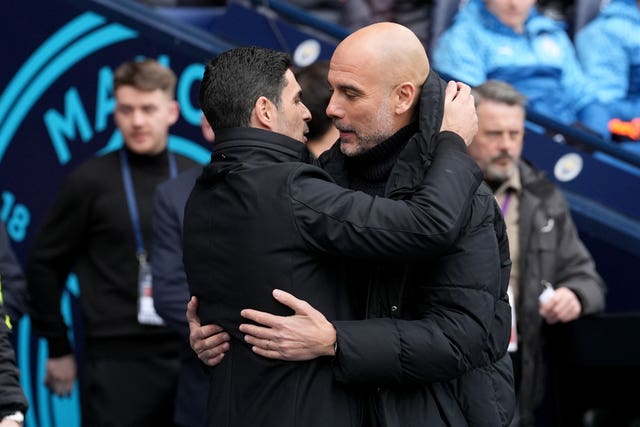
[(131, 196), (505, 203)]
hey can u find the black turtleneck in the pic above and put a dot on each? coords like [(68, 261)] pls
[(88, 229), (369, 171)]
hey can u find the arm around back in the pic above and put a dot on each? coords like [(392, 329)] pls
[(463, 319), (334, 220)]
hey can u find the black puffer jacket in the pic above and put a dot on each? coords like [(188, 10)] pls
[(258, 219), (436, 343)]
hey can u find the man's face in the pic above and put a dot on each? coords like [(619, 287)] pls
[(512, 13), (144, 118), (293, 115), (360, 105), (498, 144)]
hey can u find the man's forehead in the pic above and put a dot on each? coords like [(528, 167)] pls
[(133, 92), (348, 75), (291, 82), (141, 99)]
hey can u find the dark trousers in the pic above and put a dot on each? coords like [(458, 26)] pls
[(128, 393)]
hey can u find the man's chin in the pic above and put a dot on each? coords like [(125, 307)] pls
[(348, 149), (499, 175), (143, 147)]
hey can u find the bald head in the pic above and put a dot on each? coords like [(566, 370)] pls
[(376, 74), (388, 50)]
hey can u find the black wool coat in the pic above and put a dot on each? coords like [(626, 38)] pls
[(259, 219)]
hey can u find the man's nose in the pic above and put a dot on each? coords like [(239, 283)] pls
[(137, 117), (333, 109), (306, 114), (505, 141)]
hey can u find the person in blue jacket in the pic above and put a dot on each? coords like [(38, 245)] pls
[(512, 42), (609, 51)]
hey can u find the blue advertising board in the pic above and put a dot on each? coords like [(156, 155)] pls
[(56, 106)]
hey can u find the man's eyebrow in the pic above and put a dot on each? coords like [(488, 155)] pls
[(350, 88)]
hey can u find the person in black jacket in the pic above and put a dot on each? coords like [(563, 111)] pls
[(13, 403), (435, 344), (258, 219), (170, 288), (15, 294)]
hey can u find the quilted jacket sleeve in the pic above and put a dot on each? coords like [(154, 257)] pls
[(462, 321), (333, 220)]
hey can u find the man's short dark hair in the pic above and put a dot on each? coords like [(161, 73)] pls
[(234, 80), (498, 91), (146, 75)]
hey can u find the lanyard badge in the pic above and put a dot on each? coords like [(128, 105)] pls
[(147, 314)]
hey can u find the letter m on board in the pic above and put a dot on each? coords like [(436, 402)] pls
[(63, 128)]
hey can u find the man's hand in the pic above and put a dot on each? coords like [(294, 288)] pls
[(459, 111), (563, 306), (303, 336), (209, 342), (61, 373)]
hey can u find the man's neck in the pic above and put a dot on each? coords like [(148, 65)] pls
[(369, 171)]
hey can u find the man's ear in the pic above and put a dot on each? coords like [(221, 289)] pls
[(263, 114), (405, 97), (174, 112)]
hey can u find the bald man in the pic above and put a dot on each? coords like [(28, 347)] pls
[(431, 344)]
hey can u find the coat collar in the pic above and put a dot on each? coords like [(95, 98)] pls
[(259, 141), (409, 169)]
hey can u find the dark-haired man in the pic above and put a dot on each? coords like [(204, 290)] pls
[(259, 219)]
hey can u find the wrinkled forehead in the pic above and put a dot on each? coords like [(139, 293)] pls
[(356, 68)]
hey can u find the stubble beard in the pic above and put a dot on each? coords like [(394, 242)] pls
[(499, 174), (366, 141)]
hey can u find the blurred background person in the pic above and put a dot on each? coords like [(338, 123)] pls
[(14, 285), (171, 291), (546, 250), (609, 50), (316, 94), (13, 403), (509, 40), (99, 227)]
